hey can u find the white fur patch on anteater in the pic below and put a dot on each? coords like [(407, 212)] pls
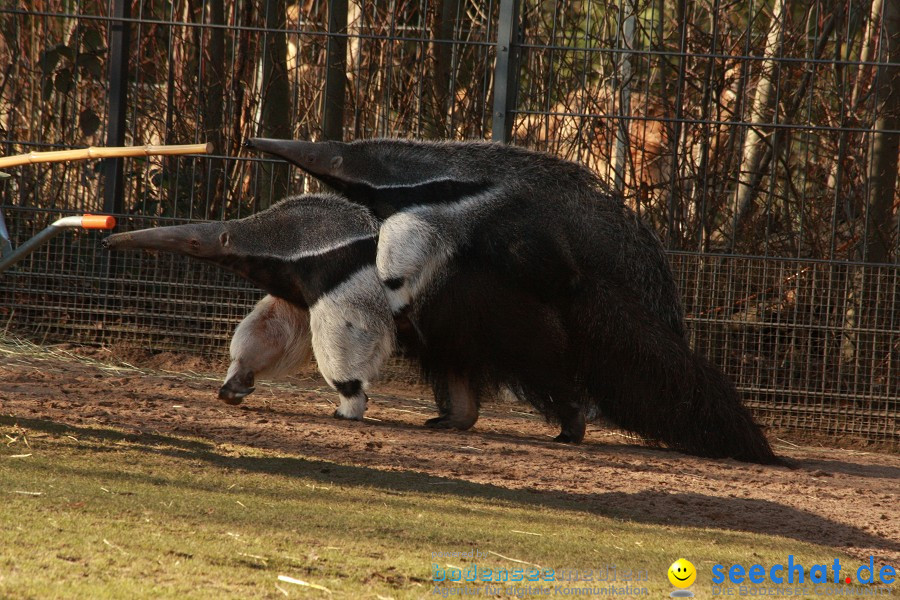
[(352, 336), (414, 245), (410, 250), (352, 407)]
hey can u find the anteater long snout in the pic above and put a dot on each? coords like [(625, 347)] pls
[(118, 241), (316, 157), (198, 240)]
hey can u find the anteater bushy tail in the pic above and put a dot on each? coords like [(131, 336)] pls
[(646, 379)]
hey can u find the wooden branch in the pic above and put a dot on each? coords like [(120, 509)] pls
[(102, 152)]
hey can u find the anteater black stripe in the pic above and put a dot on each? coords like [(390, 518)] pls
[(388, 200), (324, 272), (303, 281)]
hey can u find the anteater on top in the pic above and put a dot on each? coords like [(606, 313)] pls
[(314, 253), (495, 251)]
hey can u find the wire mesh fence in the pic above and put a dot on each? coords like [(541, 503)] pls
[(760, 139), (812, 345), (72, 290)]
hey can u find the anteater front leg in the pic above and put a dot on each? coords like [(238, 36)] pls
[(353, 400), (352, 337), (339, 360)]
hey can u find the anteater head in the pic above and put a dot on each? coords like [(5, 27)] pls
[(387, 175), (295, 226), (322, 160), (207, 241), (385, 163), (294, 250)]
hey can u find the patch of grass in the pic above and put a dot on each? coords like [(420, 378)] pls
[(98, 513)]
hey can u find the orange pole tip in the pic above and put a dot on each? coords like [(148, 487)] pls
[(98, 221)]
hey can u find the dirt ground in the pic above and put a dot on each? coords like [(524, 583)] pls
[(846, 499)]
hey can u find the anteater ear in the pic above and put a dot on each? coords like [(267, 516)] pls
[(225, 239), (337, 161)]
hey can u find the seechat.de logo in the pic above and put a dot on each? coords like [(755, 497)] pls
[(794, 572)]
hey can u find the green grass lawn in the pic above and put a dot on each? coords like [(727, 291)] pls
[(97, 513)]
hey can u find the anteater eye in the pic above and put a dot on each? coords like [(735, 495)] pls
[(225, 238)]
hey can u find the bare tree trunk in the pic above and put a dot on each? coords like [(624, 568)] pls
[(882, 170), (657, 76), (335, 72), (275, 117), (674, 130), (700, 191), (212, 91), (768, 148), (446, 11), (868, 48), (242, 100), (842, 157), (354, 28), (760, 113), (185, 58), (862, 317), (623, 87)]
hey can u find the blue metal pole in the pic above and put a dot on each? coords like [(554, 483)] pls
[(505, 71), (28, 247), (5, 243), (119, 40)]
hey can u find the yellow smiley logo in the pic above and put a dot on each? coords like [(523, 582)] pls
[(682, 573)]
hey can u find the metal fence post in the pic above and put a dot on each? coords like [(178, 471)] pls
[(622, 83), (113, 185), (674, 185), (335, 72), (505, 70)]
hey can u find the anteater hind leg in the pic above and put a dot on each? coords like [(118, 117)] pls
[(558, 400), (238, 383), (270, 342), (457, 402), (571, 418)]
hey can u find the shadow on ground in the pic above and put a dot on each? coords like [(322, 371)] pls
[(646, 506)]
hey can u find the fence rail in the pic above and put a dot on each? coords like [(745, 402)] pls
[(760, 139)]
